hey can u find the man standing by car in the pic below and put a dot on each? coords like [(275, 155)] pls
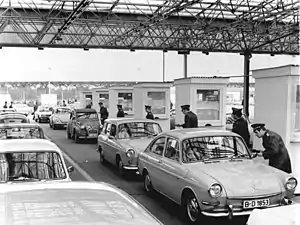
[(275, 149), (190, 118), (120, 111), (240, 125), (11, 105), (103, 112), (5, 105)]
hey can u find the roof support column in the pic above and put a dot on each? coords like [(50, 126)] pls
[(185, 69), (247, 57)]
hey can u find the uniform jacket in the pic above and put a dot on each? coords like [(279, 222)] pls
[(103, 113), (120, 113), (190, 120), (276, 151), (150, 116), (240, 127)]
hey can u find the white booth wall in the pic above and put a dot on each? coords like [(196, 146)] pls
[(85, 97), (276, 105), (206, 97), (100, 95), (156, 94)]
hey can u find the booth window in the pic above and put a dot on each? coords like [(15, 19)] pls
[(297, 110), (125, 99), (104, 97), (88, 99), (208, 104), (158, 102)]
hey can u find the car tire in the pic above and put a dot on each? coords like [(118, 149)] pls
[(191, 208), (68, 135), (76, 137), (147, 183), (54, 127), (50, 125), (101, 156), (120, 166)]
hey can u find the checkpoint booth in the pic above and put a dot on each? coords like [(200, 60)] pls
[(100, 95), (122, 95), (207, 98), (157, 95), (277, 104), (86, 97)]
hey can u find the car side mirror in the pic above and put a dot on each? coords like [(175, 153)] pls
[(70, 169), (254, 155)]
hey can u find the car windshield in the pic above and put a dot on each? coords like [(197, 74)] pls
[(63, 111), (30, 166), (8, 120), (20, 133), (138, 130), (87, 115), (213, 147)]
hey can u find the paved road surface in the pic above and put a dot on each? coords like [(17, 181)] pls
[(86, 157)]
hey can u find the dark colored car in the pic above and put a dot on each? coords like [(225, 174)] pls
[(84, 124)]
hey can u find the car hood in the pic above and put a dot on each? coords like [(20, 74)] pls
[(92, 123), (63, 117), (240, 179), (138, 145)]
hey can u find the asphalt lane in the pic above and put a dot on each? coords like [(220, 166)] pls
[(85, 155)]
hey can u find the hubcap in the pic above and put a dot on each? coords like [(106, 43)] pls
[(147, 183), (192, 209)]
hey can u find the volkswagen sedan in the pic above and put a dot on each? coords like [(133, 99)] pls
[(70, 203), (211, 172), (60, 117), (122, 139)]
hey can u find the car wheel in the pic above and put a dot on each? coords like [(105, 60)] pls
[(50, 125), (191, 208), (68, 135), (120, 167), (54, 127), (102, 159), (76, 137), (147, 183)]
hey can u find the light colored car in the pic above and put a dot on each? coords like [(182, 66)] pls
[(13, 118), (71, 203), (21, 131), (60, 117), (23, 108), (6, 110), (42, 114), (32, 160), (84, 124), (211, 172), (122, 139)]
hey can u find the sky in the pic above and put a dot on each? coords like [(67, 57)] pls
[(30, 64)]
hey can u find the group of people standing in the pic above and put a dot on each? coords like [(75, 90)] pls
[(5, 106)]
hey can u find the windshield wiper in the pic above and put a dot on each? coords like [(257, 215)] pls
[(239, 156)]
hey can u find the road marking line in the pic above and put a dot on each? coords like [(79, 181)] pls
[(75, 165)]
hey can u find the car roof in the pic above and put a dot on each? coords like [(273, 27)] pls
[(26, 145), (197, 132), (8, 125), (128, 120), (84, 110), (93, 202), (12, 115)]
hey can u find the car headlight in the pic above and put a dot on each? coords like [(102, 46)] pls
[(82, 127), (215, 190), (130, 153), (291, 183)]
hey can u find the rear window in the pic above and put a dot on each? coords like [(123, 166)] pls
[(21, 133)]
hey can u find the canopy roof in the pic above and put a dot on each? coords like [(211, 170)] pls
[(256, 26)]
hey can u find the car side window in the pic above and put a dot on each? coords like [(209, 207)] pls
[(158, 146), (113, 130), (108, 128), (172, 149)]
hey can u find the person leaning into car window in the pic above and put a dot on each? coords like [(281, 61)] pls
[(240, 125), (275, 149)]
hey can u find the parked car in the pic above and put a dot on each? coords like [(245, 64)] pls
[(60, 117), (122, 139), (21, 131), (23, 108), (32, 160), (13, 118), (5, 110), (71, 203), (212, 172), (42, 114), (84, 124)]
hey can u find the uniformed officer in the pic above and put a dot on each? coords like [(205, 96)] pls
[(11, 105), (149, 115), (103, 112), (240, 125), (5, 105), (275, 149), (190, 118), (120, 111)]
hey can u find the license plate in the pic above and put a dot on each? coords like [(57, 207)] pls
[(93, 135), (256, 203)]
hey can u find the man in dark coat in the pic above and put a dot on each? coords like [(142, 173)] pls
[(103, 112), (275, 149), (190, 118), (120, 111), (149, 115), (5, 105), (240, 126), (11, 105)]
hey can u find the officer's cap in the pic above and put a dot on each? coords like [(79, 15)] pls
[(256, 126), (147, 106), (235, 110), (185, 107), (119, 106)]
